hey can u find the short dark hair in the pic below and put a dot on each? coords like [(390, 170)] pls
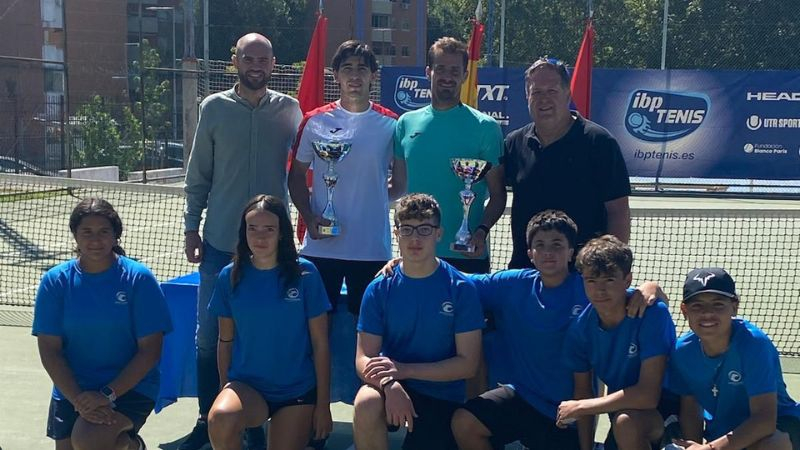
[(448, 45), (354, 48), (417, 207), (603, 254), (552, 219), (93, 206), (552, 63)]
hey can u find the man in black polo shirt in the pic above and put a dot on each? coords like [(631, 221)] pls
[(565, 162)]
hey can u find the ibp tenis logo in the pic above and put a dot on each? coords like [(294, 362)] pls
[(660, 116), (412, 92)]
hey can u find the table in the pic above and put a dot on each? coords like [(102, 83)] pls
[(178, 355)]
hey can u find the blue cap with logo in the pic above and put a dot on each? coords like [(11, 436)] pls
[(709, 279)]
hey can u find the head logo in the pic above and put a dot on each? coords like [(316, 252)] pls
[(292, 294), (576, 310), (735, 377), (660, 116), (633, 350), (412, 92), (121, 298), (448, 308)]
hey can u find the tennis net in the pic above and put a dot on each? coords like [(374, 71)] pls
[(757, 241)]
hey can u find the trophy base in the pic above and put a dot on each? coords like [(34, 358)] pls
[(329, 230), (458, 247)]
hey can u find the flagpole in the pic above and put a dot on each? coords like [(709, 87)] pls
[(664, 36), (502, 31)]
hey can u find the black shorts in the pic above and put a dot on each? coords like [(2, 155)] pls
[(309, 398), (357, 275), (432, 424), (132, 405), (470, 265), (669, 405), (791, 426), (509, 418)]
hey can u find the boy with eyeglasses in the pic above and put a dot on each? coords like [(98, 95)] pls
[(419, 338), (728, 374)]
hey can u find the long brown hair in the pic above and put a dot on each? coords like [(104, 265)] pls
[(288, 263), (93, 206)]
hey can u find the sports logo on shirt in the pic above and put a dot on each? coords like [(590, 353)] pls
[(447, 308), (633, 350), (121, 298), (576, 310), (292, 295), (734, 377)]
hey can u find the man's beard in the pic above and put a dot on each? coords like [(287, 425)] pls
[(253, 86)]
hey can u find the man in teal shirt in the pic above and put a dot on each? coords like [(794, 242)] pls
[(429, 137)]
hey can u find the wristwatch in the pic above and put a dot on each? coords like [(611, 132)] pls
[(109, 393)]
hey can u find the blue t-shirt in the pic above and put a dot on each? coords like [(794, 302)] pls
[(272, 350), (533, 321), (751, 366), (616, 354), (100, 317), (418, 319)]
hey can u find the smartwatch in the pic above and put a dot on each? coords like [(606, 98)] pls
[(109, 393)]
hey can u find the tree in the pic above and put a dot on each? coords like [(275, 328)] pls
[(156, 95), (99, 137), (287, 23)]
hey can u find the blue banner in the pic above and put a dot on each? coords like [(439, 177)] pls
[(702, 124), (501, 93), (670, 124)]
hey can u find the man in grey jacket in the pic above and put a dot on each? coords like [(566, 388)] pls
[(240, 149)]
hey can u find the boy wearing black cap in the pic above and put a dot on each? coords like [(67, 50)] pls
[(728, 372)]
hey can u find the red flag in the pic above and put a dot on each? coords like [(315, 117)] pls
[(581, 85), (312, 84), (310, 93), (469, 90)]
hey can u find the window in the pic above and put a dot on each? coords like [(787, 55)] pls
[(53, 80), (405, 25), (404, 51), (377, 48), (380, 21)]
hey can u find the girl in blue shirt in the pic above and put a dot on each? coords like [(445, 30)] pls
[(99, 320), (273, 355)]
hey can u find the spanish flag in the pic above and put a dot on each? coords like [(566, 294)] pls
[(469, 90)]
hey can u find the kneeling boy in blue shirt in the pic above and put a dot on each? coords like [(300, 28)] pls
[(419, 338), (628, 354), (728, 374)]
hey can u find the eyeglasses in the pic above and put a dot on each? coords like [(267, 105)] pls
[(424, 229)]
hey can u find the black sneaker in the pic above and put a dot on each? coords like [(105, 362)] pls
[(198, 438), (255, 439)]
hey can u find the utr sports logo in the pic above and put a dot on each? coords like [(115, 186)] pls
[(660, 116)]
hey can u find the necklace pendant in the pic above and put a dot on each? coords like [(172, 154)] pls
[(714, 390)]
